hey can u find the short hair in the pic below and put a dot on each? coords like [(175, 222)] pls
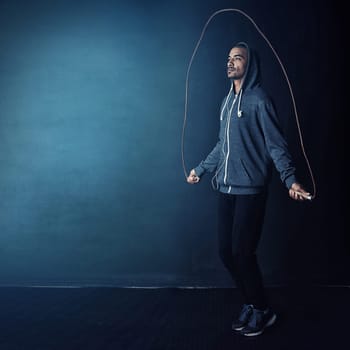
[(241, 46)]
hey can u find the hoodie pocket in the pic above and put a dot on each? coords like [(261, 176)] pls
[(238, 174), (256, 173), (245, 170)]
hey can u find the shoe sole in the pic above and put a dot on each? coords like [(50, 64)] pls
[(238, 328), (268, 324)]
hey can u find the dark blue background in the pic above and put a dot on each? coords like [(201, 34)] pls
[(92, 189)]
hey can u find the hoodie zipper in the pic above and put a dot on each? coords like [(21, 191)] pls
[(228, 138)]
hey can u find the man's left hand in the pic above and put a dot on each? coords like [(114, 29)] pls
[(297, 192)]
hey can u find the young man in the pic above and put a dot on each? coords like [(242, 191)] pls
[(250, 143)]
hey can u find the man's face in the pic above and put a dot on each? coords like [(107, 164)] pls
[(237, 62)]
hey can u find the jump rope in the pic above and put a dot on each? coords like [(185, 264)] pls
[(312, 196)]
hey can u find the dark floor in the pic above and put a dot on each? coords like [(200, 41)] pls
[(167, 319)]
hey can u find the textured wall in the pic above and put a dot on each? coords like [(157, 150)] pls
[(91, 108)]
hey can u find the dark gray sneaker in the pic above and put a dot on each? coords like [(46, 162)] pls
[(259, 320), (243, 318)]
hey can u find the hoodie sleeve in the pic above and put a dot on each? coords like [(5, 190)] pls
[(276, 144), (211, 162)]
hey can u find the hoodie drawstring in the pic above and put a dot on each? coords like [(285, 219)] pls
[(227, 98), (239, 111)]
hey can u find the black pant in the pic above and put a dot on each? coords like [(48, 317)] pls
[(240, 223)]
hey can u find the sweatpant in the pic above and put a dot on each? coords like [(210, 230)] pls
[(240, 223)]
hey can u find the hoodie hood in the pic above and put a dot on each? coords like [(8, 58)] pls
[(251, 77)]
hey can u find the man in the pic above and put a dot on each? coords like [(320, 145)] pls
[(250, 143)]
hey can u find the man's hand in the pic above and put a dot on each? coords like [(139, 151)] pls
[(298, 193), (193, 178)]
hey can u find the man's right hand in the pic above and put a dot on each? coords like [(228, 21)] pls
[(193, 178)]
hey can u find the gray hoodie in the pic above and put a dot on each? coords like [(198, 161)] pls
[(250, 139)]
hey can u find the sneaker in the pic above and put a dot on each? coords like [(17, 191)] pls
[(259, 320), (243, 318)]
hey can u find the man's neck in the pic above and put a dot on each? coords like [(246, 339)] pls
[(237, 85)]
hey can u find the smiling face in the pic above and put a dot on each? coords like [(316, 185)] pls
[(237, 62)]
